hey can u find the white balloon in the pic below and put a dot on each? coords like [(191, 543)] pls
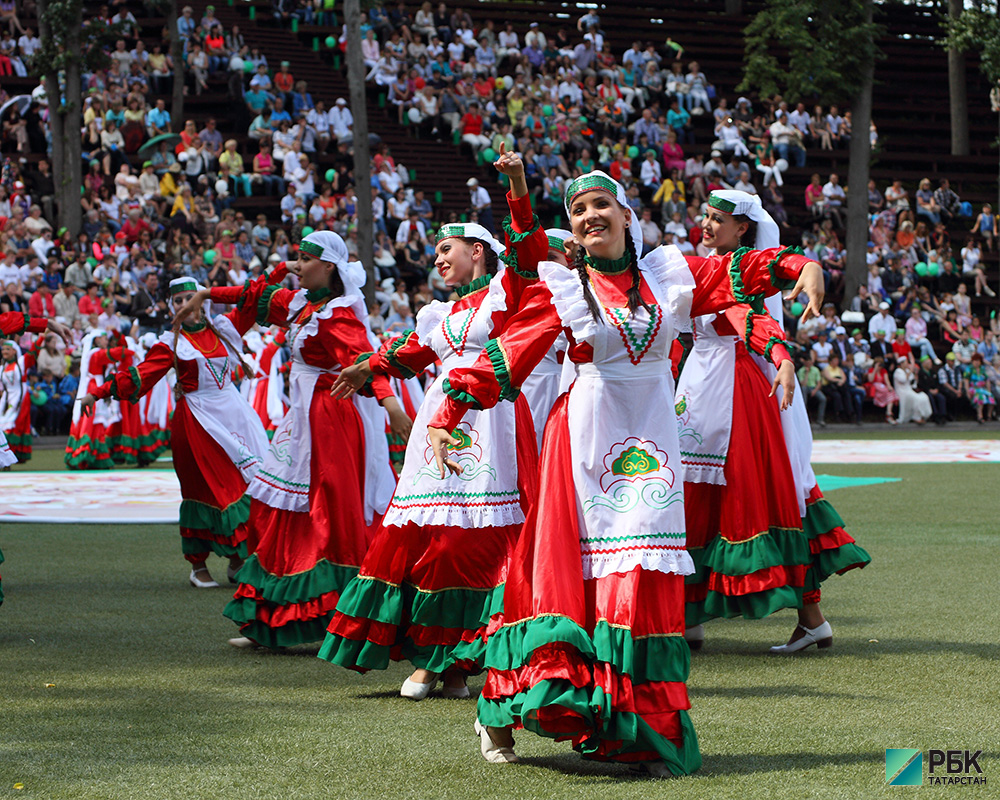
[(221, 187), (414, 115), (183, 157)]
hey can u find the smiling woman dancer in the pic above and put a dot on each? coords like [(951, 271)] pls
[(590, 646), (326, 475), (216, 439), (745, 533), (434, 575)]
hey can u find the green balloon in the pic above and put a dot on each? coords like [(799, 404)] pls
[(248, 66), (583, 120), (547, 110), (633, 152), (797, 309), (921, 268), (933, 268), (489, 154), (331, 41), (306, 231), (209, 257), (330, 175), (92, 261)]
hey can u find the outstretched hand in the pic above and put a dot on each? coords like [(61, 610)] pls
[(61, 330), (510, 164), (439, 440), (350, 380), (786, 380), (811, 282)]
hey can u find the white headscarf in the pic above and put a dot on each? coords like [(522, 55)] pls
[(603, 181), (731, 201), (328, 246), (85, 376), (178, 285), (470, 230)]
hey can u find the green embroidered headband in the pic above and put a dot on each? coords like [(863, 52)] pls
[(470, 230), (183, 285), (721, 204), (312, 248), (590, 182)]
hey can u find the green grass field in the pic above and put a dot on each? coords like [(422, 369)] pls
[(116, 681)]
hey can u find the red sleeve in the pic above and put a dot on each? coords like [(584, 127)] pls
[(343, 339), (31, 354), (760, 333), (257, 302), (743, 276), (14, 323), (527, 244), (131, 383), (403, 357), (278, 274), (505, 362)]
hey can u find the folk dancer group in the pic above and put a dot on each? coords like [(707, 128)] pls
[(552, 522)]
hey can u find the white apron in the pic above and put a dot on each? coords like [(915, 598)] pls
[(13, 392), (704, 403), (285, 476), (543, 386), (486, 493), (623, 433), (216, 403)]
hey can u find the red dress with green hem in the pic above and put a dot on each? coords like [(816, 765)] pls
[(433, 577), (326, 476), (15, 405), (590, 645), (217, 440), (89, 445)]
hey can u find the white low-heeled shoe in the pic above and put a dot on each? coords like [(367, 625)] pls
[(416, 691), (821, 636), (695, 636), (491, 751), (198, 584), (456, 692), (242, 643)]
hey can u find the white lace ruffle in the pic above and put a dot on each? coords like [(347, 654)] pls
[(457, 515), (671, 561), (429, 317), (668, 268), (569, 300)]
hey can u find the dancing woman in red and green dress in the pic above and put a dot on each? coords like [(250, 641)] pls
[(590, 645), (216, 439), (326, 478)]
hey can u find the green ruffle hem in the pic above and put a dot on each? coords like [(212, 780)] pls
[(778, 547), (87, 459), (286, 590), (820, 518), (368, 599), (220, 521), (645, 660)]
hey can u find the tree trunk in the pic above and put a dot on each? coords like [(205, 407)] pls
[(957, 93), (65, 121), (362, 156), (734, 7), (177, 56), (857, 177)]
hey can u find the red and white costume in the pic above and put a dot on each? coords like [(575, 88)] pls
[(89, 445), (15, 409)]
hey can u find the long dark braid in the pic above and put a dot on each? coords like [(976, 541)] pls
[(633, 294), (581, 269)]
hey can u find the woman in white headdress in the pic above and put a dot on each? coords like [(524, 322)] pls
[(589, 646), (746, 466), (89, 445), (433, 578), (326, 477), (216, 440), (154, 411)]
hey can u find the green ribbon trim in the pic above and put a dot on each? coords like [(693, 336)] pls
[(479, 283), (460, 396), (390, 355), (133, 373), (264, 304), (315, 295), (220, 521), (749, 332), (607, 266), (782, 283), (755, 301), (501, 369), (770, 346)]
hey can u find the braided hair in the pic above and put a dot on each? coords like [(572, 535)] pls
[(633, 295)]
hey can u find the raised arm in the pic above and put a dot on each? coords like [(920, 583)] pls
[(14, 323)]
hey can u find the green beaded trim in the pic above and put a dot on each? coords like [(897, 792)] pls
[(459, 396), (390, 355), (609, 266), (313, 249), (187, 286), (501, 369), (479, 283), (781, 283), (720, 203), (755, 301), (557, 244), (451, 229), (588, 183)]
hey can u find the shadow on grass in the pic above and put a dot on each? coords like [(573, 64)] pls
[(750, 763), (891, 647), (773, 691)]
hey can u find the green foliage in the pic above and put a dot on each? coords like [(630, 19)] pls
[(809, 49), (978, 30), (68, 43)]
